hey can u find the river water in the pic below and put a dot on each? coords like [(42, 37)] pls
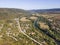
[(58, 42)]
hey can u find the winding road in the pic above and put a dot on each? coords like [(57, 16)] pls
[(20, 30)]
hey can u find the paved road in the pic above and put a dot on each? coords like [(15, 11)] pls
[(20, 30)]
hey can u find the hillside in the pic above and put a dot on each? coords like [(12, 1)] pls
[(53, 11), (12, 13), (23, 27)]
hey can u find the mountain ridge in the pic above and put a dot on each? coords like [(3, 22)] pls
[(54, 10)]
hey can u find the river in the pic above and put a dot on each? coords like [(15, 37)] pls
[(35, 24)]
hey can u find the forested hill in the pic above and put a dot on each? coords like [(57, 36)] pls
[(53, 11), (12, 13)]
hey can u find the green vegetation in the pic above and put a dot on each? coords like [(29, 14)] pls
[(19, 27)]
